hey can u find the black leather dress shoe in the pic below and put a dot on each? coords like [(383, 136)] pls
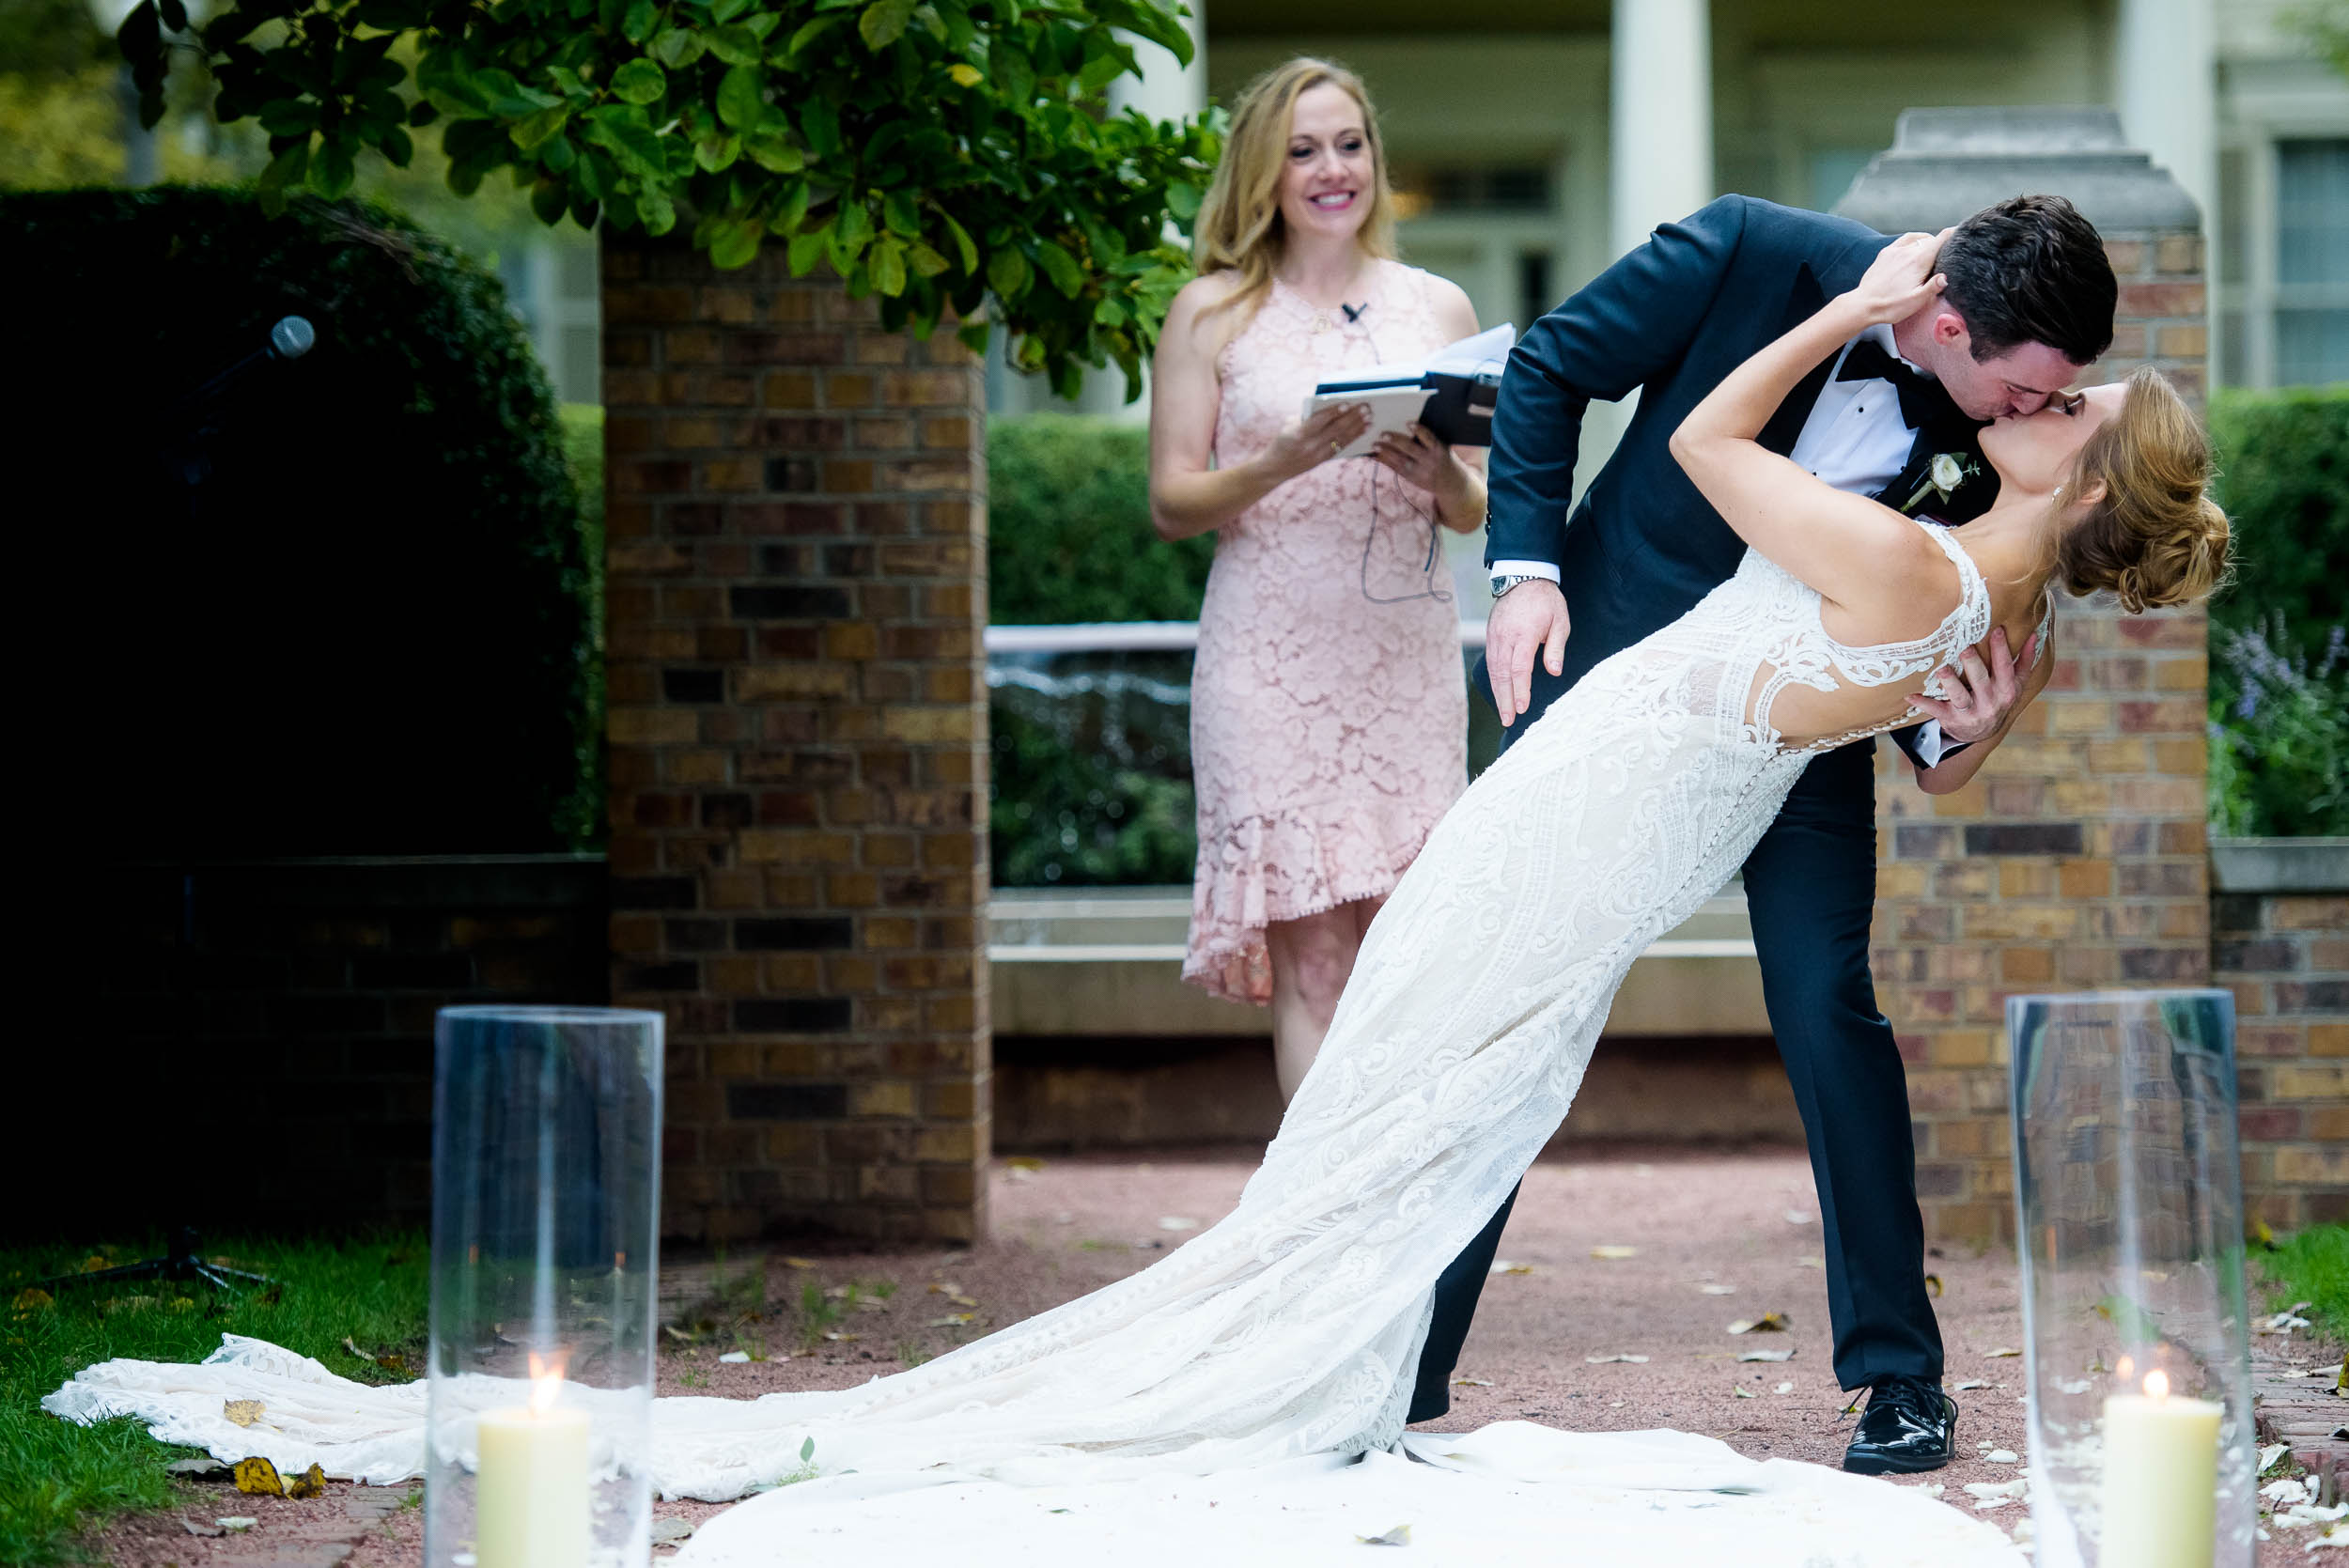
[(1909, 1425)]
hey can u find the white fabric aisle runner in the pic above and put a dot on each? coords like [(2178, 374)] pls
[(1514, 1493)]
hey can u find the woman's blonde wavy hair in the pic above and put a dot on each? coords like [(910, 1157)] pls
[(2156, 537), (1239, 224)]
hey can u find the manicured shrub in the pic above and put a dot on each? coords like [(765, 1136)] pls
[(2278, 676), (368, 629), (1068, 528)]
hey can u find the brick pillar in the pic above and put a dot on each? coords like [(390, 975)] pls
[(797, 731), (2076, 858)]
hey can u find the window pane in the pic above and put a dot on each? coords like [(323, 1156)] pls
[(1830, 170), (2311, 347), (2312, 211)]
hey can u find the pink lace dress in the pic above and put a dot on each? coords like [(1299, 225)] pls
[(1329, 717)]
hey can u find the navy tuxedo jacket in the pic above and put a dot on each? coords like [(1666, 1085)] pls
[(1672, 319)]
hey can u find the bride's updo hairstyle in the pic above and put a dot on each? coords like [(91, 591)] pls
[(2156, 538), (1239, 222)]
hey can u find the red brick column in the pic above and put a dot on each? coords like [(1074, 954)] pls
[(2286, 958), (2076, 858), (797, 504)]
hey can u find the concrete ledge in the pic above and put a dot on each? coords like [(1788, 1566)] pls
[(1107, 962), (2279, 865)]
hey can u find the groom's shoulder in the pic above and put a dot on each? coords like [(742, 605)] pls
[(1768, 225)]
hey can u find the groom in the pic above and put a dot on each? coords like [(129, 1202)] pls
[(1894, 414)]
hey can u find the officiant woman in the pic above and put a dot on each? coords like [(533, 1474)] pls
[(1329, 712)]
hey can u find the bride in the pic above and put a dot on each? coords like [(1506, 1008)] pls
[(1283, 1342)]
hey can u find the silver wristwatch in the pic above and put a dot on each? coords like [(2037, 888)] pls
[(1503, 581)]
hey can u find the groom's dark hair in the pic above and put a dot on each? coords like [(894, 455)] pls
[(2031, 269)]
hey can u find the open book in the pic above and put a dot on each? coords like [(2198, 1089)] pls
[(1451, 391)]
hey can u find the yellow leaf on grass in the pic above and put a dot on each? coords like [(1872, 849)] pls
[(32, 1299), (309, 1483), (257, 1476), (243, 1412)]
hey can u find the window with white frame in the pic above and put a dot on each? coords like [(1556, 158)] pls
[(2283, 262)]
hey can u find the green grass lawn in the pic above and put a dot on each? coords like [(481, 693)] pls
[(2312, 1266), (57, 1478)]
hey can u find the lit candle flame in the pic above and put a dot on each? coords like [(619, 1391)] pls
[(546, 1382), (2156, 1384)]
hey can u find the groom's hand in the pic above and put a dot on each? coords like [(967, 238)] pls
[(1529, 616), (1981, 695)]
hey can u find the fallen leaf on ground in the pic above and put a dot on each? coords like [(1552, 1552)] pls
[(242, 1412), (1743, 1392), (2271, 1453), (675, 1333), (1784, 1389), (961, 1300), (1603, 1360), (309, 1483), (735, 1358), (31, 1299), (1719, 1290), (236, 1522), (1502, 1265), (194, 1529), (1176, 1223), (1786, 1355), (672, 1528), (258, 1477), (95, 1264), (1472, 1382), (196, 1467), (952, 1320), (1399, 1536), (1612, 1253), (351, 1346), (1933, 1284), (1768, 1322), (2003, 1456), (1999, 1353)]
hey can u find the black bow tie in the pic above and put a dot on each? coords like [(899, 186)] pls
[(1919, 393)]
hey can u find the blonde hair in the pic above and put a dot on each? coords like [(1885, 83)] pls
[(2156, 537), (1239, 224)]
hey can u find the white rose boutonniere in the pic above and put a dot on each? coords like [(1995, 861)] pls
[(1943, 475)]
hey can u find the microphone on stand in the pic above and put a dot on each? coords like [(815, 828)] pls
[(290, 339)]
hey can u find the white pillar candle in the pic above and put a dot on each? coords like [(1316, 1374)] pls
[(2161, 1480), (530, 1493)]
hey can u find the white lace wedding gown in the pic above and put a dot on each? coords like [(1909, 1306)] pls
[(1208, 1407)]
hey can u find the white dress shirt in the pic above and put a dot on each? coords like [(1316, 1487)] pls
[(1856, 440)]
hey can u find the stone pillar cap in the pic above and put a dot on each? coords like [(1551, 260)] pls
[(1945, 165)]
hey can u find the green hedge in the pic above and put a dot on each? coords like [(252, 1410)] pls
[(371, 629), (2279, 673), (1091, 782), (1068, 527)]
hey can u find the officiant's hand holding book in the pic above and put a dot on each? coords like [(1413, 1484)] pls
[(1450, 391)]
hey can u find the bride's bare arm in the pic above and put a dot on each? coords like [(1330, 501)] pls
[(1850, 549)]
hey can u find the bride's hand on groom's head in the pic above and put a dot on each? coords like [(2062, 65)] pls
[(1901, 281)]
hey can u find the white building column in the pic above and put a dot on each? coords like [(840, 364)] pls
[(2164, 74), (1659, 116)]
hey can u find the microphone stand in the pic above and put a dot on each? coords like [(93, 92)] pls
[(190, 462)]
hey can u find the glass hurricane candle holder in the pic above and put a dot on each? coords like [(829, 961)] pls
[(546, 1161), (2129, 1215)]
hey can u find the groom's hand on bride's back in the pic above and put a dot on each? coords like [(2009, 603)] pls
[(1530, 617)]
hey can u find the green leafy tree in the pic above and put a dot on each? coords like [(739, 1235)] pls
[(941, 154)]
